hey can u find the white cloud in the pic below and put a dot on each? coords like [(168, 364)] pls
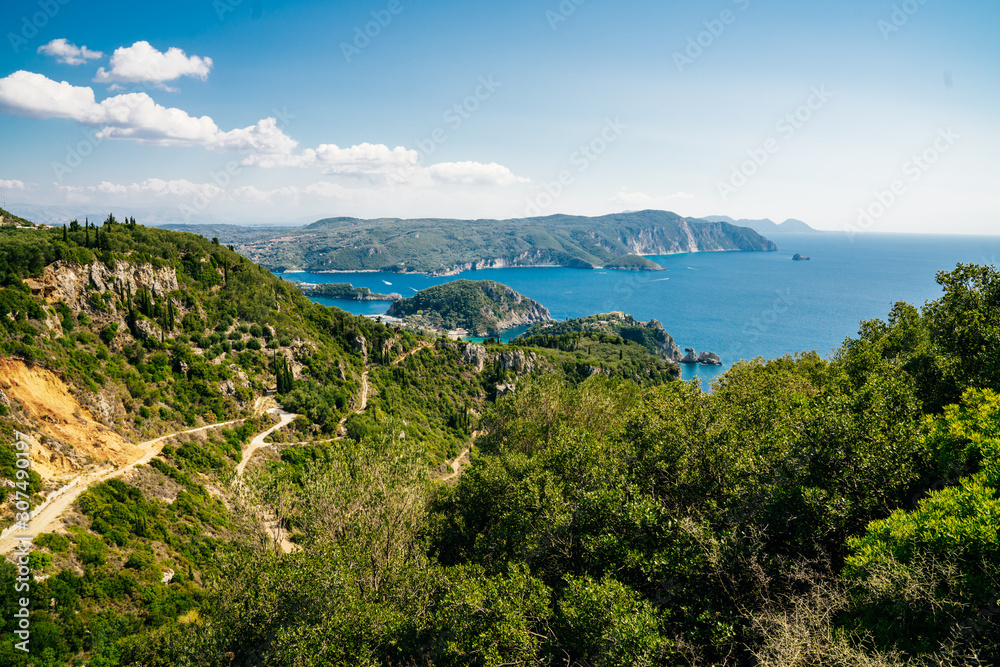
[(360, 160), (179, 189), (30, 94), (133, 116), (640, 200), (264, 137), (396, 165), (474, 173), (141, 63), (69, 54), (11, 185)]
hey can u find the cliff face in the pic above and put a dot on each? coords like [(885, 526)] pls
[(482, 307), (72, 283), (446, 247), (83, 286), (516, 361)]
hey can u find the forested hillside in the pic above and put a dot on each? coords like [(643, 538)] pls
[(808, 512), (443, 246), (483, 307)]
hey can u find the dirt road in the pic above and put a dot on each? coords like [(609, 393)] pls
[(47, 514), (285, 418)]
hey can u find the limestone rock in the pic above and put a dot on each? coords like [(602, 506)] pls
[(476, 355), (709, 359)]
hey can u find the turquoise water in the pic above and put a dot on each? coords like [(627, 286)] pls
[(738, 305)]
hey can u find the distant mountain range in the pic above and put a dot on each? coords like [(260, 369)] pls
[(766, 226), (445, 246)]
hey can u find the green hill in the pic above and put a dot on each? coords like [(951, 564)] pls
[(347, 292), (806, 512), (650, 335), (483, 307), (445, 247), (9, 219)]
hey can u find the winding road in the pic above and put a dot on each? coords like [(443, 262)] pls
[(47, 514), (285, 418)]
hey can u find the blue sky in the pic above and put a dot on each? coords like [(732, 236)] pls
[(864, 115)]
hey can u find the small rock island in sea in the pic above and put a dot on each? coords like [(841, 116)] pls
[(800, 258), (481, 307), (705, 358)]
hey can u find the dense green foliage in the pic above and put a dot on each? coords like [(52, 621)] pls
[(346, 291), (807, 512), (581, 355), (436, 245), (650, 335), (483, 307)]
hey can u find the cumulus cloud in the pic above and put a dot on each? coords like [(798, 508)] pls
[(640, 200), (69, 54), (11, 184), (396, 165), (34, 95), (474, 173), (174, 190), (142, 63), (133, 116), (361, 160)]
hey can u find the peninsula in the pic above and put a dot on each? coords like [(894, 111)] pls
[(446, 247), (482, 307)]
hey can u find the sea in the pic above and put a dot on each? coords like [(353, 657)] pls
[(740, 305)]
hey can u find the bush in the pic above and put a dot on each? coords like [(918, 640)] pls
[(53, 542)]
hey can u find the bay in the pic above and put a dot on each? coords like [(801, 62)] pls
[(739, 305)]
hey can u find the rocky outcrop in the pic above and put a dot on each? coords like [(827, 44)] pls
[(518, 362), (709, 359), (144, 329), (360, 344), (534, 258), (475, 355), (705, 358), (665, 342), (72, 283)]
